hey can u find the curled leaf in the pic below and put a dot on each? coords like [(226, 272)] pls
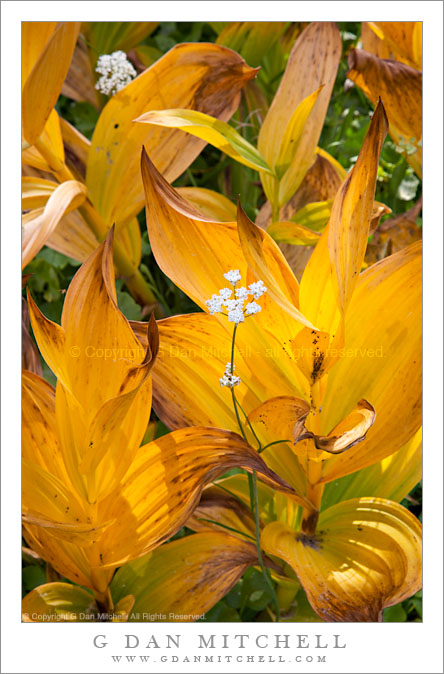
[(365, 556)]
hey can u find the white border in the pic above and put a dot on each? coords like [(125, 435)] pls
[(370, 647)]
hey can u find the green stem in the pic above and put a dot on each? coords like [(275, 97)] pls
[(252, 483), (259, 551), (225, 526), (275, 442)]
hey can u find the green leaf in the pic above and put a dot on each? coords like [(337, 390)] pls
[(213, 131), (394, 614), (128, 306)]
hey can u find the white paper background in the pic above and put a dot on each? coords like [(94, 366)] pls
[(387, 647)]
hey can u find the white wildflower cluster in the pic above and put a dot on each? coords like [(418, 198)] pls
[(116, 72), (235, 307), (229, 379)]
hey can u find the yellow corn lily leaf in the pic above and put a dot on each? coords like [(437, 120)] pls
[(191, 249), (385, 316), (70, 560), (46, 497), (52, 137), (44, 83), (77, 148), (214, 562), (292, 232), (318, 44), (393, 478), (36, 191), (268, 498), (108, 36), (290, 173), (373, 43), (400, 88), (366, 556), (35, 36), (403, 38), (59, 602), (73, 237), (80, 533), (251, 39), (211, 130), (91, 321), (50, 339), (280, 415), (30, 355), (352, 210), (212, 204), (39, 432), (204, 77), (65, 198), (184, 357), (268, 263), (348, 433), (195, 253), (79, 81), (163, 486), (219, 511), (194, 350)]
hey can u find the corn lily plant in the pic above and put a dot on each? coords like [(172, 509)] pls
[(95, 497), (288, 137), (329, 375), (103, 176)]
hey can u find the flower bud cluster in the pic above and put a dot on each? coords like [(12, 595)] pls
[(229, 379)]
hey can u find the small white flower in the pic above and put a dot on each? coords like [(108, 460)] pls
[(236, 316), (252, 308), (214, 304), (257, 289), (225, 293), (241, 293), (116, 72), (233, 276), (229, 379)]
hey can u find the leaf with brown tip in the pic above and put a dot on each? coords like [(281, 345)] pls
[(213, 562), (204, 77)]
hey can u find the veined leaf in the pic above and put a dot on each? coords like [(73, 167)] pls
[(290, 173), (392, 478), (315, 215), (268, 263), (59, 602), (213, 562), (352, 211), (403, 38), (251, 39), (385, 316), (52, 137), (44, 82), (211, 130), (204, 77), (64, 198), (400, 88), (213, 204), (108, 36), (294, 233), (318, 44), (366, 556)]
